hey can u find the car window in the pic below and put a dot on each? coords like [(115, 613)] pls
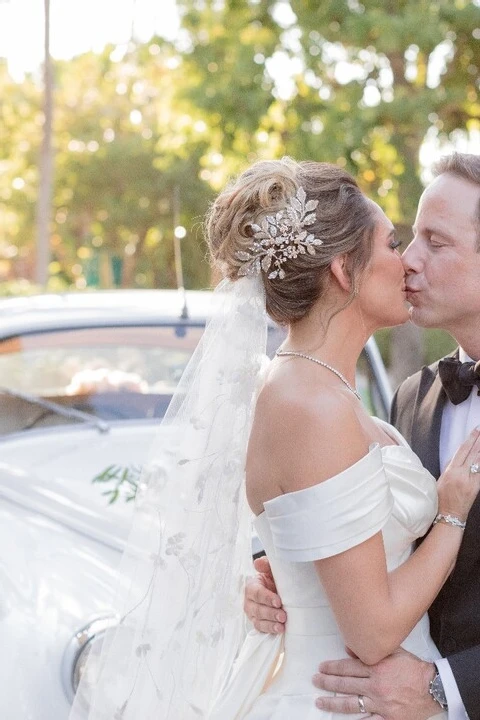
[(143, 359), (113, 373)]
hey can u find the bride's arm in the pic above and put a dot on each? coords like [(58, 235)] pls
[(375, 609)]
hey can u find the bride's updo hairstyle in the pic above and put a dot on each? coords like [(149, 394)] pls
[(344, 223)]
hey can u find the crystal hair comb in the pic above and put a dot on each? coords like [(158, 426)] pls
[(279, 238)]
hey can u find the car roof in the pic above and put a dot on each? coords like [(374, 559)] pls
[(41, 313)]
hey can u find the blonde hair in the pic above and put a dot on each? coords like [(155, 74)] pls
[(344, 222)]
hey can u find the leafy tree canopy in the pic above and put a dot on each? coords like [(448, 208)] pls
[(145, 135)]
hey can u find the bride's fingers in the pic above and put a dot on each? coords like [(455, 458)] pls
[(471, 444), (473, 457)]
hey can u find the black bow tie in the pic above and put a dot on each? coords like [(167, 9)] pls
[(458, 378)]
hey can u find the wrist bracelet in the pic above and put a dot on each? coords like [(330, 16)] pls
[(450, 520)]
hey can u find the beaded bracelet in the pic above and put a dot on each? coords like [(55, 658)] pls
[(450, 520)]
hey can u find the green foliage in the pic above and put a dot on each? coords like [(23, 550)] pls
[(20, 133), (14, 288), (123, 482), (18, 287), (129, 153), (436, 344), (361, 84), (408, 66), (382, 338)]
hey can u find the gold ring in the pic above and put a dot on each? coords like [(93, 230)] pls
[(361, 704)]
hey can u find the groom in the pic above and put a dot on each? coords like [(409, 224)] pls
[(443, 281)]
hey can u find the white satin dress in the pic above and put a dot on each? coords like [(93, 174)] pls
[(387, 490)]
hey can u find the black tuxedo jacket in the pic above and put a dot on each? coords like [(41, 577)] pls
[(455, 615)]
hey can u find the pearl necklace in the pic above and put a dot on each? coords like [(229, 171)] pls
[(323, 364)]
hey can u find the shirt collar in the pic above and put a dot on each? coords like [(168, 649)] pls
[(463, 357)]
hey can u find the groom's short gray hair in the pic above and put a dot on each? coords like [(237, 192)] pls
[(466, 166)]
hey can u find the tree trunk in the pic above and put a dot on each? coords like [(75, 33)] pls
[(46, 165), (130, 262)]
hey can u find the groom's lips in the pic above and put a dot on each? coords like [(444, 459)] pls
[(411, 292)]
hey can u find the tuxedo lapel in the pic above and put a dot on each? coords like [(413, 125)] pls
[(427, 419)]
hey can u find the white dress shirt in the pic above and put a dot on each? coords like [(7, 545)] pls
[(457, 422)]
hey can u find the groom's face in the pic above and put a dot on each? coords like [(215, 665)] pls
[(443, 260)]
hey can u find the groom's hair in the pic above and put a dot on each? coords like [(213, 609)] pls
[(465, 166)]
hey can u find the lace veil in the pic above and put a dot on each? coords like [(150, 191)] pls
[(182, 574)]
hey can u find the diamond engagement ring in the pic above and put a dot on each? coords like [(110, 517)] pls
[(361, 704), (475, 468)]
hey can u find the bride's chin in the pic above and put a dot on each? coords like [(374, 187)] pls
[(401, 317)]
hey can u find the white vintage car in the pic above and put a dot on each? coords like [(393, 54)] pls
[(84, 381)]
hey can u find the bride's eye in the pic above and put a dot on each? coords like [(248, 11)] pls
[(395, 244)]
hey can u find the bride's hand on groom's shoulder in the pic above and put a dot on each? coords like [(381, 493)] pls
[(262, 604), (396, 688)]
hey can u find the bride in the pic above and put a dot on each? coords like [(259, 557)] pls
[(338, 497)]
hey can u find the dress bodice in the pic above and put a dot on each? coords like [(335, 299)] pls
[(387, 487), (387, 490)]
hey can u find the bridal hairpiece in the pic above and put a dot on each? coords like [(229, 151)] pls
[(280, 237)]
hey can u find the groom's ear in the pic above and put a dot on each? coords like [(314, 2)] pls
[(340, 272)]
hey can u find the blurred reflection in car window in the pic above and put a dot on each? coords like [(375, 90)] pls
[(141, 359), (115, 373)]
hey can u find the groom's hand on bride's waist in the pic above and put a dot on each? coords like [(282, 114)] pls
[(262, 604), (394, 689)]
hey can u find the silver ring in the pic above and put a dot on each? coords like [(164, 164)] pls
[(361, 704), (475, 468)]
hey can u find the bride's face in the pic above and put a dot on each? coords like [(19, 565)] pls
[(381, 295)]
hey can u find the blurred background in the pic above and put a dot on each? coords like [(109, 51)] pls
[(121, 119)]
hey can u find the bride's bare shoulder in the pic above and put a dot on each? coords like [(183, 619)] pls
[(287, 398), (312, 430)]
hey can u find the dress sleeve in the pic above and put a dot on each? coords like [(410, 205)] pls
[(333, 516)]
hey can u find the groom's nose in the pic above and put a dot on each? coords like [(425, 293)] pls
[(412, 257)]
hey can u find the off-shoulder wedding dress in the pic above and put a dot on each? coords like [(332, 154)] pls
[(387, 490)]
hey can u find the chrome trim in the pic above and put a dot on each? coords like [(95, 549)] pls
[(76, 647), (379, 372)]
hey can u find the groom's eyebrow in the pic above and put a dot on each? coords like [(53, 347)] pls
[(434, 230)]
